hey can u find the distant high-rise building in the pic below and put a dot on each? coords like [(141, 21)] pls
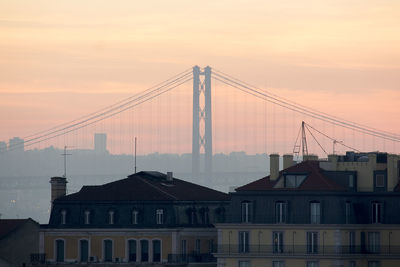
[(16, 144), (3, 146), (100, 143)]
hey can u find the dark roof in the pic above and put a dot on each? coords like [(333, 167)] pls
[(9, 225), (315, 180), (146, 186)]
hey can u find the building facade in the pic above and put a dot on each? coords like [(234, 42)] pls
[(147, 218), (343, 211)]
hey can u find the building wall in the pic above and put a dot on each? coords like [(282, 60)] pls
[(18, 245), (120, 239)]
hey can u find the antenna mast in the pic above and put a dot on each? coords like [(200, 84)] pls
[(135, 155), (65, 161)]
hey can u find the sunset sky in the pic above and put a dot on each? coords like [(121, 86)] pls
[(63, 59)]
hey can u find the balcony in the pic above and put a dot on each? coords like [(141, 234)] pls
[(301, 250), (191, 258)]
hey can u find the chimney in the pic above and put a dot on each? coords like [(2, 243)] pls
[(310, 157), (58, 187), (273, 166), (169, 176), (287, 161)]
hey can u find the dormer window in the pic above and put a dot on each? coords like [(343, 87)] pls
[(63, 217), (159, 216), (135, 217), (111, 217), (294, 180), (87, 217), (246, 211)]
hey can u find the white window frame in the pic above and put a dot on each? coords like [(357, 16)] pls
[(63, 217), (135, 217), (242, 263), (244, 242), (278, 264), (312, 248), (245, 211), (160, 216), (87, 217), (281, 212), (381, 176), (377, 208), (315, 212), (111, 217), (279, 246)]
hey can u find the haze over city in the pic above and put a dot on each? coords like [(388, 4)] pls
[(66, 59)]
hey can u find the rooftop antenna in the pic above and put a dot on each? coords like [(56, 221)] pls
[(65, 161), (334, 144), (302, 145), (135, 155)]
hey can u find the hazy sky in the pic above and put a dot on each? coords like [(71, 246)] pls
[(62, 59)]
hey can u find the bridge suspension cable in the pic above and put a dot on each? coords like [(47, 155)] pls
[(109, 111), (302, 109)]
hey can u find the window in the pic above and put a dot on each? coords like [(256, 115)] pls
[(60, 246), (244, 264), (280, 212), (197, 247), (278, 264), (111, 217), (132, 250), (160, 216), (107, 250), (211, 246), (246, 211), (351, 181), (183, 248), (63, 217), (373, 242), (156, 250), (312, 242), (377, 212), (144, 250), (380, 180), (352, 242), (193, 217), (87, 217), (205, 216), (277, 242), (352, 264), (315, 211), (374, 264), (135, 217), (84, 250), (292, 181), (243, 242), (312, 263), (348, 212)]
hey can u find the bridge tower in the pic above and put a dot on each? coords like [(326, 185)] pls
[(202, 136)]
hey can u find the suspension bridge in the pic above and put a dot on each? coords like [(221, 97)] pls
[(204, 111)]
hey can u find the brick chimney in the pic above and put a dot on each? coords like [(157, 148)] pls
[(58, 187)]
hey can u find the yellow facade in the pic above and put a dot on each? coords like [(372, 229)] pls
[(333, 244), (171, 240)]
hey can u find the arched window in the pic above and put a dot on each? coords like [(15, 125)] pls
[(247, 209), (144, 250), (84, 250), (107, 250), (135, 217), (60, 250), (132, 247), (159, 216), (87, 217), (156, 250), (63, 216), (315, 212), (110, 217)]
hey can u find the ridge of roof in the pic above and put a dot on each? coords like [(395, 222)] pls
[(314, 175)]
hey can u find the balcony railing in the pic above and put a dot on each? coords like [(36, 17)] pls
[(37, 258), (307, 250), (188, 258)]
